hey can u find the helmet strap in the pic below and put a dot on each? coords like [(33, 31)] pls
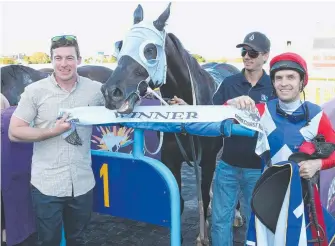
[(302, 86)]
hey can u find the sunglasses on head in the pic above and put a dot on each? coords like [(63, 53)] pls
[(252, 53), (67, 37)]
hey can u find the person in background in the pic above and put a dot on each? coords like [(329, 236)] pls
[(236, 174), (4, 105), (329, 109), (4, 102)]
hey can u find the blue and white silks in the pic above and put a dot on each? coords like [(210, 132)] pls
[(290, 228)]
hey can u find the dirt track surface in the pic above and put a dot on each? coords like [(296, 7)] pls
[(106, 230)]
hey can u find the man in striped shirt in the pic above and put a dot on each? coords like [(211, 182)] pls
[(62, 179)]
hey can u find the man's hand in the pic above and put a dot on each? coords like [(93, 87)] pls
[(177, 100), (61, 125), (242, 102), (20, 131), (309, 168)]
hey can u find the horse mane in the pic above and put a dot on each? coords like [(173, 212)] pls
[(198, 73)]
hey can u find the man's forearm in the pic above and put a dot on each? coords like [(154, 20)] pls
[(30, 134)]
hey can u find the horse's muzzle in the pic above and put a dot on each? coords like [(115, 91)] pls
[(128, 105)]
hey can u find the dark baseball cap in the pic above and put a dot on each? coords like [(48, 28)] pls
[(257, 41)]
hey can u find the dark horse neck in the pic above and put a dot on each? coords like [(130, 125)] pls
[(178, 83)]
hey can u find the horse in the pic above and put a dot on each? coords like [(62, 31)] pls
[(46, 70), (93, 72), (14, 78), (150, 57)]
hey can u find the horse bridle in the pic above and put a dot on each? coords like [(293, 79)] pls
[(141, 92), (144, 89), (196, 157)]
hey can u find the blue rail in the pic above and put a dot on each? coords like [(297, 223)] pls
[(142, 188)]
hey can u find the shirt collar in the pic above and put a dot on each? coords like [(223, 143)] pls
[(261, 82), (53, 80), (290, 107), (294, 112)]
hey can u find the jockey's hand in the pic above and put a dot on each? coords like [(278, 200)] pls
[(309, 168), (242, 102), (177, 100)]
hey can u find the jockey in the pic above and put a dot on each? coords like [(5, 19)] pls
[(290, 123)]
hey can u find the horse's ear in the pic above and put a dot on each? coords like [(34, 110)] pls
[(160, 22), (118, 45), (138, 14), (117, 48)]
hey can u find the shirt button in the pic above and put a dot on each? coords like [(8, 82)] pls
[(72, 103)]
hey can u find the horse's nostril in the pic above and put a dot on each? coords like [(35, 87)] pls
[(117, 93), (106, 93), (103, 90)]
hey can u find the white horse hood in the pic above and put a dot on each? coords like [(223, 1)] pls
[(134, 43)]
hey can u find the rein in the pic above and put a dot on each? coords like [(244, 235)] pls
[(196, 161), (178, 140), (322, 150)]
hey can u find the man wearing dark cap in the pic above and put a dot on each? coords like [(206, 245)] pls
[(256, 41), (239, 168)]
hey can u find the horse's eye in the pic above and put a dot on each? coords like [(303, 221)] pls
[(150, 51)]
